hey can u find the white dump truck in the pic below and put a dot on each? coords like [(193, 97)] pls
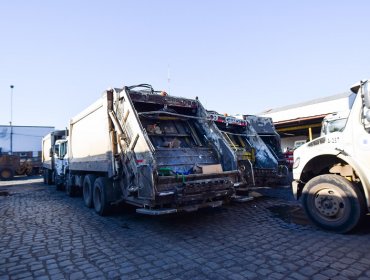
[(52, 160), (158, 152), (332, 173)]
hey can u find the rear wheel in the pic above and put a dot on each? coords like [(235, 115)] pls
[(101, 204), (87, 190), (333, 203), (6, 174)]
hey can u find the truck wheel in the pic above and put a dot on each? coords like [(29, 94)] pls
[(333, 203), (70, 189), (58, 184), (70, 185), (44, 176), (6, 174), (100, 196), (30, 172), (87, 190), (47, 177)]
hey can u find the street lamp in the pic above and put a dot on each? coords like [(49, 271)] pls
[(11, 119)]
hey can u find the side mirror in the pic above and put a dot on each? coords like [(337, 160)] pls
[(366, 94), (367, 115)]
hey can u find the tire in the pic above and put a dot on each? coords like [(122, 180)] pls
[(59, 186), (44, 176), (30, 172), (47, 176), (6, 174), (87, 190), (101, 204), (70, 190), (333, 203), (70, 186), (29, 169)]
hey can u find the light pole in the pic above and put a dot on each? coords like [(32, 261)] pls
[(11, 119)]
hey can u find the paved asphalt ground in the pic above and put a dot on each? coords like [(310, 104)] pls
[(46, 235)]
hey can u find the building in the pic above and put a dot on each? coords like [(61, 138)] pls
[(303, 121), (22, 140)]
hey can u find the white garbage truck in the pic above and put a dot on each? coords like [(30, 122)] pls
[(53, 158), (158, 152), (331, 174)]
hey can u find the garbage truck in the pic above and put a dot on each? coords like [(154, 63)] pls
[(158, 152), (331, 174), (271, 166), (234, 131), (52, 158), (256, 162)]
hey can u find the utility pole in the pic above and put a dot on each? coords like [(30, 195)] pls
[(168, 80), (11, 119)]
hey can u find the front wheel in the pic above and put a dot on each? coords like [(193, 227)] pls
[(6, 174), (333, 203), (47, 177)]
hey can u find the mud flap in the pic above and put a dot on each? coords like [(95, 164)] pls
[(145, 182)]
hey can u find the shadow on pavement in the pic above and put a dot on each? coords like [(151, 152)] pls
[(292, 214)]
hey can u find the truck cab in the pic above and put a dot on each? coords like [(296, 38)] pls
[(331, 174), (61, 162), (50, 154)]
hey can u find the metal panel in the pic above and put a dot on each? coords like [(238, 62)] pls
[(89, 139)]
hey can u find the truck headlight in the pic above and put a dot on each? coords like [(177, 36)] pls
[(296, 162)]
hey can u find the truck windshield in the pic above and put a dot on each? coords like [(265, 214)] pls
[(333, 126), (56, 150)]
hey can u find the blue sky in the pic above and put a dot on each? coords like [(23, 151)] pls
[(237, 56)]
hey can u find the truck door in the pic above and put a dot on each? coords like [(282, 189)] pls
[(361, 130)]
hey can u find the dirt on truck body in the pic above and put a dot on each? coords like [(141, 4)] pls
[(158, 152), (266, 131)]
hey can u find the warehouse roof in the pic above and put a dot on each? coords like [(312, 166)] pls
[(315, 107), (310, 102)]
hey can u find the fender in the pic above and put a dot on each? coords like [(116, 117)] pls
[(360, 173)]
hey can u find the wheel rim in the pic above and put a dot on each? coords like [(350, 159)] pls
[(330, 204)]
